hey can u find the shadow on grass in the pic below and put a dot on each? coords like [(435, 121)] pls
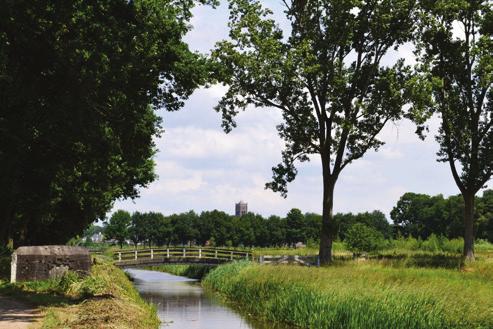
[(422, 260), (26, 292), (446, 261), (38, 298), (193, 271)]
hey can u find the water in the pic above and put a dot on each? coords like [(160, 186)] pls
[(183, 304)]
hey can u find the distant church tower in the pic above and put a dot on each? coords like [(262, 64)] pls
[(241, 208)]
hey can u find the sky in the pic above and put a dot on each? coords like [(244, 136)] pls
[(200, 168)]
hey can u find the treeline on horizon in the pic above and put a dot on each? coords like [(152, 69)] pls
[(417, 216)]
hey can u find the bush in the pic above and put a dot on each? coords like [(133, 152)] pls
[(453, 245), (363, 239), (433, 244)]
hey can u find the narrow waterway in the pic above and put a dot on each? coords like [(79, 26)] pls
[(183, 304)]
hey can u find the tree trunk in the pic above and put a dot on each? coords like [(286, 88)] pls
[(6, 225), (468, 225), (327, 232), (5, 232)]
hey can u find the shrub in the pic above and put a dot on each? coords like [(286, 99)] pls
[(433, 244), (361, 238), (453, 245)]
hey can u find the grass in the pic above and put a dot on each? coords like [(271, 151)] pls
[(104, 299), (337, 248), (361, 295), (193, 271)]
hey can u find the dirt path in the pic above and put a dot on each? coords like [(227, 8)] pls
[(17, 315)]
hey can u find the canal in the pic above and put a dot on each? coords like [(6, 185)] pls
[(183, 304)]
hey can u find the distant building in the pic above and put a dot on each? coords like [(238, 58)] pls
[(241, 208), (97, 238)]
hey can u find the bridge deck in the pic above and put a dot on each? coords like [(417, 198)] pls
[(174, 255), (197, 255)]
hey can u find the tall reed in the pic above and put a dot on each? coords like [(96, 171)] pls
[(355, 296)]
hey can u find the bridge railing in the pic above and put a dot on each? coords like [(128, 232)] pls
[(182, 252), (289, 259)]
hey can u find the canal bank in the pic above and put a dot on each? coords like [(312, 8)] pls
[(104, 299), (353, 295), (182, 303)]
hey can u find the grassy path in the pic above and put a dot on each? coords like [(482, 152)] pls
[(17, 315)]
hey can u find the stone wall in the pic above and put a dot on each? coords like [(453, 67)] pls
[(44, 262)]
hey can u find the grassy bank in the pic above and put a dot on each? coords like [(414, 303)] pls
[(190, 271), (361, 295), (104, 299)]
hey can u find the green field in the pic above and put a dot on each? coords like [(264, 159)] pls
[(361, 295)]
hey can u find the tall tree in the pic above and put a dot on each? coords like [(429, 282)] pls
[(327, 78), (420, 215), (79, 83), (485, 211), (277, 230), (118, 227), (295, 225), (455, 77), (138, 231)]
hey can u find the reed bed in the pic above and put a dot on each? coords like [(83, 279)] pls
[(356, 296)]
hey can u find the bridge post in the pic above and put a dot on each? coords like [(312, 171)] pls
[(152, 254), (119, 256), (167, 252), (215, 254), (200, 252), (135, 254), (261, 259), (246, 256), (184, 253), (231, 255)]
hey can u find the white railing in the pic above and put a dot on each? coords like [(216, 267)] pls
[(181, 253)]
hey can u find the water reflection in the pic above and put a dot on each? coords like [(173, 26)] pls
[(183, 304)]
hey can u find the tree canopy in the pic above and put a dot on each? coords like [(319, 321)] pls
[(327, 78), (421, 215), (79, 85), (419, 218), (455, 77), (118, 226)]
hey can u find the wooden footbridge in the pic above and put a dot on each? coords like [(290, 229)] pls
[(178, 255), (199, 255)]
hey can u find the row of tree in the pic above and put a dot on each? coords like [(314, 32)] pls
[(77, 120), (415, 215), (332, 79), (221, 229), (421, 215)]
